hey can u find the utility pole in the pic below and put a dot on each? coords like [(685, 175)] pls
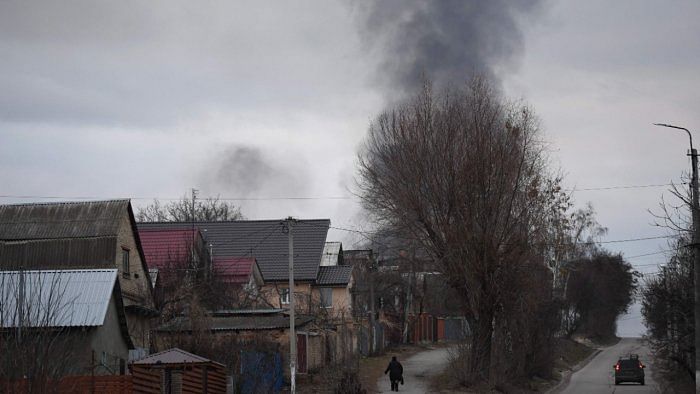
[(695, 208), (194, 202), (194, 199), (20, 304), (372, 334), (292, 332), (696, 261)]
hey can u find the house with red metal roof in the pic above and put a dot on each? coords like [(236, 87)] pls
[(322, 283), (173, 254)]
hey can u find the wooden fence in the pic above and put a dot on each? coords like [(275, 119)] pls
[(181, 378), (113, 384)]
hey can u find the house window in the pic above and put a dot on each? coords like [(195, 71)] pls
[(326, 297), (125, 262), (284, 296)]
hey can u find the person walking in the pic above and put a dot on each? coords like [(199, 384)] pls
[(395, 370)]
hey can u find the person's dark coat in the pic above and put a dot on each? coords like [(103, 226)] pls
[(395, 370)]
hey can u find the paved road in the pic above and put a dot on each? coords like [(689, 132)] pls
[(597, 375), (417, 371)]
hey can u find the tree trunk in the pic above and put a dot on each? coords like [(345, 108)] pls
[(481, 342)]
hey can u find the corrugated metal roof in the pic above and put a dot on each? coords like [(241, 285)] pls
[(267, 241), (61, 220), (239, 323), (167, 247), (334, 275), (173, 356), (231, 312), (331, 253), (60, 253), (66, 298), (235, 270)]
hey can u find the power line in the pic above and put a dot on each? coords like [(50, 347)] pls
[(650, 254), (367, 234), (278, 198), (625, 187), (179, 198)]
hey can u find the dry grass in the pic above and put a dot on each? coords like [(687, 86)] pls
[(568, 354)]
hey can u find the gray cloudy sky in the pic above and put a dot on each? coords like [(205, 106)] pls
[(249, 99)]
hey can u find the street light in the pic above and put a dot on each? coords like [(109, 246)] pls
[(695, 208)]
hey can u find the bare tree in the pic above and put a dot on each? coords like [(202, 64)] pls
[(465, 174), (667, 307), (668, 295), (36, 349), (211, 209)]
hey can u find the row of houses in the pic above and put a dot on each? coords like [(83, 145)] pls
[(90, 270), (119, 291)]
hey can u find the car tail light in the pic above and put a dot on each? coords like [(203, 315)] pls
[(617, 367)]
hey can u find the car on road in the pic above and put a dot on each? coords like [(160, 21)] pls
[(629, 369)]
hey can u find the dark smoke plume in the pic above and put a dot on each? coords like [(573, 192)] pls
[(248, 172), (444, 41)]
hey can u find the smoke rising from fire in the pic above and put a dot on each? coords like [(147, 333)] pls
[(247, 171), (443, 41)]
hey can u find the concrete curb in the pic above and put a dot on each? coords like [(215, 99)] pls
[(567, 374)]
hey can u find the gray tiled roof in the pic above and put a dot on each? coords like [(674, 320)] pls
[(267, 241), (61, 220), (334, 275)]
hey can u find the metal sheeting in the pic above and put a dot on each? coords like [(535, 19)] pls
[(267, 241), (168, 248), (331, 254), (250, 322), (58, 253), (61, 220), (173, 356), (67, 298)]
